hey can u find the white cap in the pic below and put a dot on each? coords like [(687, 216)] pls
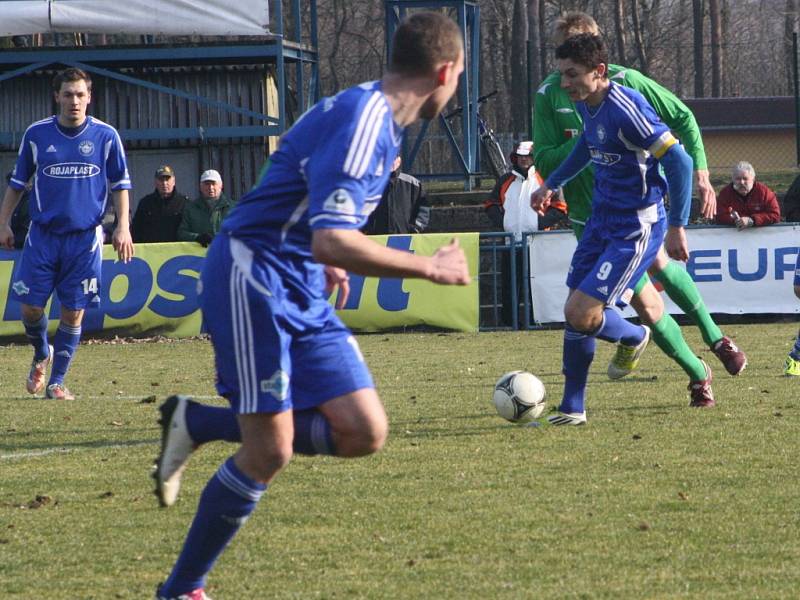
[(524, 149), (211, 175)]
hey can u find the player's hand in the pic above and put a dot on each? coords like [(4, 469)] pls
[(675, 243), (744, 223), (449, 265), (708, 198), (334, 276), (123, 244), (540, 199), (6, 237)]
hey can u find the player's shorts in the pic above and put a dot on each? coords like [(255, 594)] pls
[(615, 251), (797, 271), (69, 263), (266, 361)]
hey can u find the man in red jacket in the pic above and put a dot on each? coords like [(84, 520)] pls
[(746, 202)]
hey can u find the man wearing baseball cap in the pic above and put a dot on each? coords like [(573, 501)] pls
[(159, 214), (203, 216)]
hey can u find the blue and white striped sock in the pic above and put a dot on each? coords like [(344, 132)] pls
[(65, 344), (225, 504)]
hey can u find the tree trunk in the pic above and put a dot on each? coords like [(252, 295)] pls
[(716, 48), (699, 74), (680, 57), (519, 71), (789, 27), (620, 26), (535, 43), (639, 38)]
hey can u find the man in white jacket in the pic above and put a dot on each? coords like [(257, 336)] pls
[(508, 205)]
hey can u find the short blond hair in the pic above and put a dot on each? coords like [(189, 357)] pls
[(571, 24)]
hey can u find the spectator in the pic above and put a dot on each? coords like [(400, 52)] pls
[(746, 202), (403, 208), (791, 202), (203, 216), (159, 214), (21, 218), (508, 206)]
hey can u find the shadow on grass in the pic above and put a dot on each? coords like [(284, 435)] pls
[(25, 450)]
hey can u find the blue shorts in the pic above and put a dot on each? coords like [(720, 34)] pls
[(615, 251), (267, 361), (69, 263)]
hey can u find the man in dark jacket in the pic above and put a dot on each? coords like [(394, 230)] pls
[(404, 206), (159, 214), (203, 216)]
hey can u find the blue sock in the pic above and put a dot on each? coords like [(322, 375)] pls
[(616, 329), (36, 333), (225, 504), (578, 355), (65, 343), (795, 353), (312, 433), (211, 423)]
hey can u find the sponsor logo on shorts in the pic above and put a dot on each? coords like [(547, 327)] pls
[(603, 289), (627, 295), (277, 385), (72, 170), (20, 288), (86, 148)]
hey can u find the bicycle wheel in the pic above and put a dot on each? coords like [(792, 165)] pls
[(494, 155)]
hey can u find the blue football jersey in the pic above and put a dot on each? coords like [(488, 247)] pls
[(329, 171), (71, 171), (625, 138)]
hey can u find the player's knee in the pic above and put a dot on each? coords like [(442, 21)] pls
[(262, 463), (367, 439), (581, 320)]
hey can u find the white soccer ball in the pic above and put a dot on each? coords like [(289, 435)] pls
[(519, 397)]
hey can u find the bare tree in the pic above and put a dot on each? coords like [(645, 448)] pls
[(620, 26), (789, 29), (638, 36), (716, 48), (698, 14), (519, 63)]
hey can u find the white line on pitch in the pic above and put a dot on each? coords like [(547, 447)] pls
[(48, 451)]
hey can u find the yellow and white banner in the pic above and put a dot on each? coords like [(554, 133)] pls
[(156, 293), (737, 272)]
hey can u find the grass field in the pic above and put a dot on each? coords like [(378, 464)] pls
[(650, 500)]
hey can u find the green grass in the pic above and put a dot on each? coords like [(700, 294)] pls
[(650, 500)]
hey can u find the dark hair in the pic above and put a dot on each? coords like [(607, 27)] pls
[(422, 41), (585, 49), (71, 74)]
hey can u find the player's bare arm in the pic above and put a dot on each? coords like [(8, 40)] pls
[(708, 197), (122, 241), (351, 250), (10, 201)]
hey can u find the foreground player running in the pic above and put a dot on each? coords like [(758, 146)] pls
[(291, 370), (556, 127), (72, 158), (625, 141)]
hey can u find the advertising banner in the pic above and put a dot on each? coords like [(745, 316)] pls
[(156, 293), (153, 17), (737, 272)]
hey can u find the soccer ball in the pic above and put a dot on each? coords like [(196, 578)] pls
[(519, 397)]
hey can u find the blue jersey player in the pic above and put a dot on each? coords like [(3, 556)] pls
[(292, 372), (792, 366), (625, 141), (72, 160)]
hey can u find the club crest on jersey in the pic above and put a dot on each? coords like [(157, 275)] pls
[(86, 148), (340, 201), (601, 133), (277, 385), (71, 170)]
